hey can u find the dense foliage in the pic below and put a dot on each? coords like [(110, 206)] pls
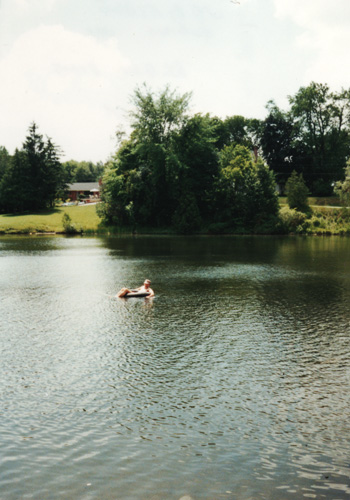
[(342, 188), (4, 161), (32, 177), (198, 171), (172, 172), (312, 137), (82, 171), (297, 192)]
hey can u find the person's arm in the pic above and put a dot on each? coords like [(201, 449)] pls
[(151, 293)]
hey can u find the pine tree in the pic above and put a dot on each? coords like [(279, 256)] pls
[(33, 176), (297, 192)]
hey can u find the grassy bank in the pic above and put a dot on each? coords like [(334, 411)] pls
[(325, 218), (319, 221), (84, 217)]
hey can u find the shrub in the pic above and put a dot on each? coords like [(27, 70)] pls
[(291, 220), (68, 225), (317, 222), (297, 192), (342, 189)]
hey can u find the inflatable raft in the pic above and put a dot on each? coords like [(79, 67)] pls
[(136, 293)]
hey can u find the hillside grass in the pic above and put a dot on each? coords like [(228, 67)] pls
[(324, 201), (84, 217)]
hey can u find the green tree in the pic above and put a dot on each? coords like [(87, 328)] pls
[(157, 116), (322, 121), (277, 141), (14, 189), (68, 225), (43, 174), (4, 160), (233, 130), (342, 188), (169, 172), (246, 191), (115, 198), (187, 218), (297, 192), (34, 175), (195, 168), (69, 168), (53, 181), (83, 171), (33, 170), (157, 120), (146, 168)]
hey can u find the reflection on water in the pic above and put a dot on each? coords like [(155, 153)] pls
[(232, 383)]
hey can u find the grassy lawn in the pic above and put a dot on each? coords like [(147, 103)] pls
[(326, 201), (83, 216)]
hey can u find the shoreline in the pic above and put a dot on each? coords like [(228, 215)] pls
[(91, 233), (326, 220)]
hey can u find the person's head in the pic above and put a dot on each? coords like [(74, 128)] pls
[(147, 283)]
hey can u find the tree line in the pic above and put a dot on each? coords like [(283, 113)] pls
[(312, 137), (194, 170), (187, 172)]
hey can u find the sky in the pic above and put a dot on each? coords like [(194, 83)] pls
[(72, 65)]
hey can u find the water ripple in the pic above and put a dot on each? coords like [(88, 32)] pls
[(233, 383)]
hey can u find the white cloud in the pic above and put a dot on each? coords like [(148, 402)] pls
[(233, 57), (63, 81), (313, 13), (325, 37), (23, 7)]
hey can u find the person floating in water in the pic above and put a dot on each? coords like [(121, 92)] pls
[(144, 289)]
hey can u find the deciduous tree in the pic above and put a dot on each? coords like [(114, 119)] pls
[(246, 190), (146, 168), (277, 143), (169, 172), (342, 188), (322, 119)]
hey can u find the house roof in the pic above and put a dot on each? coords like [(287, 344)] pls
[(84, 186)]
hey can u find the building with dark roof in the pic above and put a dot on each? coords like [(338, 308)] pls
[(90, 190)]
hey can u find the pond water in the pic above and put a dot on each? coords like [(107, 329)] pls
[(232, 383)]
